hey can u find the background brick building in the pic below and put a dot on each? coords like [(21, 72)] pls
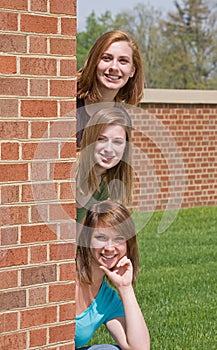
[(175, 158)]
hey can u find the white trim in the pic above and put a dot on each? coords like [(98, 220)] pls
[(179, 96)]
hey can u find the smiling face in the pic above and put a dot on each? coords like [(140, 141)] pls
[(109, 148), (107, 246), (115, 66)]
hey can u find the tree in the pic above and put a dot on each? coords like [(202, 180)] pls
[(95, 26), (190, 46)]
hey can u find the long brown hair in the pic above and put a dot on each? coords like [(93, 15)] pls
[(86, 180), (132, 92), (113, 215)]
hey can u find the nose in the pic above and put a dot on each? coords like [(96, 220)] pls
[(109, 245), (108, 146), (114, 64)]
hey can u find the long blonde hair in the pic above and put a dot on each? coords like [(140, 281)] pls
[(120, 190), (113, 215), (132, 92)]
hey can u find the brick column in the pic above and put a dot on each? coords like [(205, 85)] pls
[(37, 157)]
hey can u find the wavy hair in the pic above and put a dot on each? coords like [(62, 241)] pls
[(120, 177), (131, 92), (109, 214)]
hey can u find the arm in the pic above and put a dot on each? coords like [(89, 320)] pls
[(130, 332)]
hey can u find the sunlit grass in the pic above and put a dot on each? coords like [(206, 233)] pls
[(177, 285)]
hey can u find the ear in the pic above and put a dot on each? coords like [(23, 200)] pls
[(132, 72)]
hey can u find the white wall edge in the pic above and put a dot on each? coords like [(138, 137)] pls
[(179, 96)]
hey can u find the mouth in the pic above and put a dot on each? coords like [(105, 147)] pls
[(113, 77), (108, 257), (107, 159)]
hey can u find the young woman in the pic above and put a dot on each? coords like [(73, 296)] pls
[(104, 162), (112, 73), (107, 250)]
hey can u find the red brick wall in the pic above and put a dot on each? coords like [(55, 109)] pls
[(175, 155), (37, 157)]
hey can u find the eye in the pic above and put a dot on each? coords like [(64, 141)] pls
[(101, 238), (119, 240), (101, 139), (119, 142), (124, 60), (106, 58)]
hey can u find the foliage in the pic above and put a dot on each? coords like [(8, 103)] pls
[(178, 51), (176, 288)]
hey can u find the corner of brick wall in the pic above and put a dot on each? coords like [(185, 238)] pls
[(37, 158)]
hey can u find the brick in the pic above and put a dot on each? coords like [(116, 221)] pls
[(10, 151), (39, 213), (13, 257), (38, 316), (13, 43), (63, 211), (8, 108), (8, 21), (13, 86), (67, 108), (39, 171), (38, 275), (67, 190), (62, 88), (38, 66), (8, 322), (9, 194), (13, 215), (42, 150), (38, 254), (67, 347), (8, 279), (39, 192), (39, 108), (13, 130), (63, 170), (68, 26), (67, 8), (61, 292), (13, 172), (63, 46), (67, 272), (37, 296), (62, 333), (67, 67), (38, 87), (39, 5), (15, 4), (38, 337), (8, 65), (38, 233), (13, 341), (38, 24), (67, 312), (63, 129), (39, 130), (38, 44), (67, 230), (12, 300), (62, 251), (68, 150)]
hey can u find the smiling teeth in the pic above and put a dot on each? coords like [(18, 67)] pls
[(108, 256), (113, 77)]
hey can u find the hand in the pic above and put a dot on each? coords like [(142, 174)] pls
[(122, 274)]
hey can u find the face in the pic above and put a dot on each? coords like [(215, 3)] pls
[(109, 148), (108, 246), (116, 66)]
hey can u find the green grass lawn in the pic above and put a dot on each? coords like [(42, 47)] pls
[(177, 285)]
